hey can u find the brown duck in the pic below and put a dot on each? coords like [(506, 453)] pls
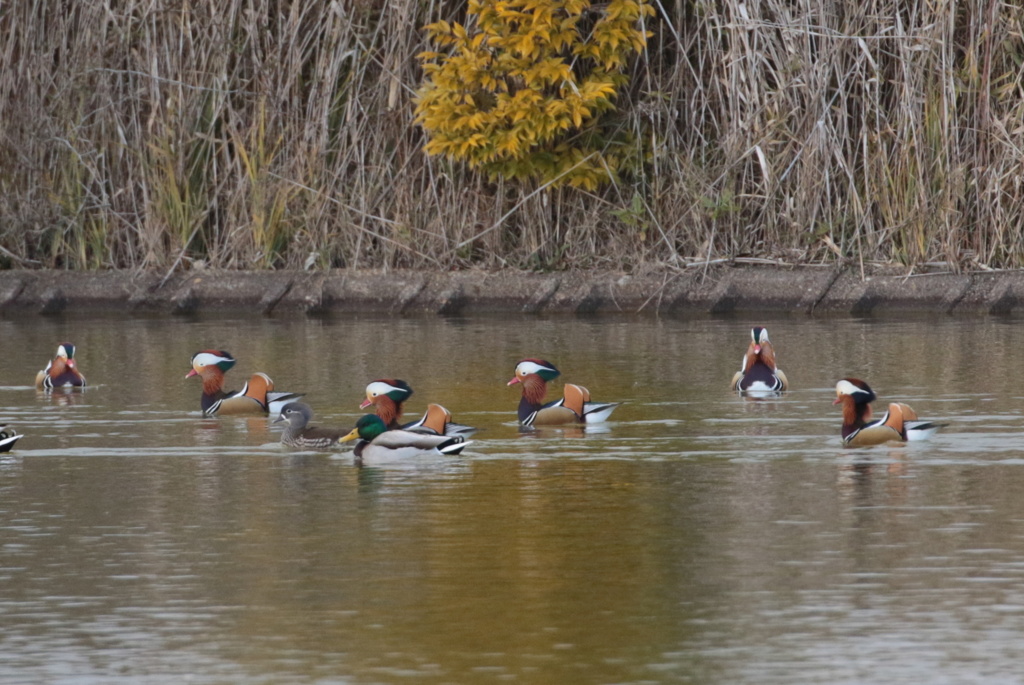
[(298, 432), (256, 397), (574, 406), (62, 371), (898, 424), (759, 374), (387, 397)]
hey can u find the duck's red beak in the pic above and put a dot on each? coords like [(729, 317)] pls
[(513, 381), (191, 373), (365, 403)]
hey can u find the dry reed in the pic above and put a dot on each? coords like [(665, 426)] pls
[(269, 134)]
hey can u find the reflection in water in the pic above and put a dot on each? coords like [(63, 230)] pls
[(206, 431), (567, 431), (698, 537), (857, 476), (62, 397)]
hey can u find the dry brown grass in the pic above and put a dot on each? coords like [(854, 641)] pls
[(268, 134)]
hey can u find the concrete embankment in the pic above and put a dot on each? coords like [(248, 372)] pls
[(717, 290)]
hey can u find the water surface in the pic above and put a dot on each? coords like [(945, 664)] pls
[(699, 537)]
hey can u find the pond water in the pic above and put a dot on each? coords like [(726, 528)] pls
[(698, 537)]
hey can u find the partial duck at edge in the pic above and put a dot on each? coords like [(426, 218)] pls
[(8, 436)]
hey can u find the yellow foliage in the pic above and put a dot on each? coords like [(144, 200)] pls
[(523, 91)]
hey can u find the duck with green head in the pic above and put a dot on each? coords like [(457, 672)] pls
[(376, 443)]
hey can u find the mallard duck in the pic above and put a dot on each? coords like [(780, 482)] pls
[(378, 444)]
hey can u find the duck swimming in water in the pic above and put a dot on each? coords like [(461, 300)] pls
[(377, 444), (62, 371), (574, 407), (256, 397), (898, 424), (759, 374)]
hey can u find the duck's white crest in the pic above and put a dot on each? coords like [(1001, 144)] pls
[(845, 387), (528, 367), (378, 388), (208, 359)]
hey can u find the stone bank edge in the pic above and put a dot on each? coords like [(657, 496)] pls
[(720, 289)]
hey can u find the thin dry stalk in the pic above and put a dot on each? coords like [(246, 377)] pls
[(262, 134)]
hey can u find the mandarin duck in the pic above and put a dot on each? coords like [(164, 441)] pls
[(257, 397), (8, 436), (437, 420), (62, 371), (574, 407), (899, 423), (298, 432), (758, 374), (379, 444), (387, 396)]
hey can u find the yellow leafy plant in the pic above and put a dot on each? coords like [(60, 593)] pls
[(524, 90)]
